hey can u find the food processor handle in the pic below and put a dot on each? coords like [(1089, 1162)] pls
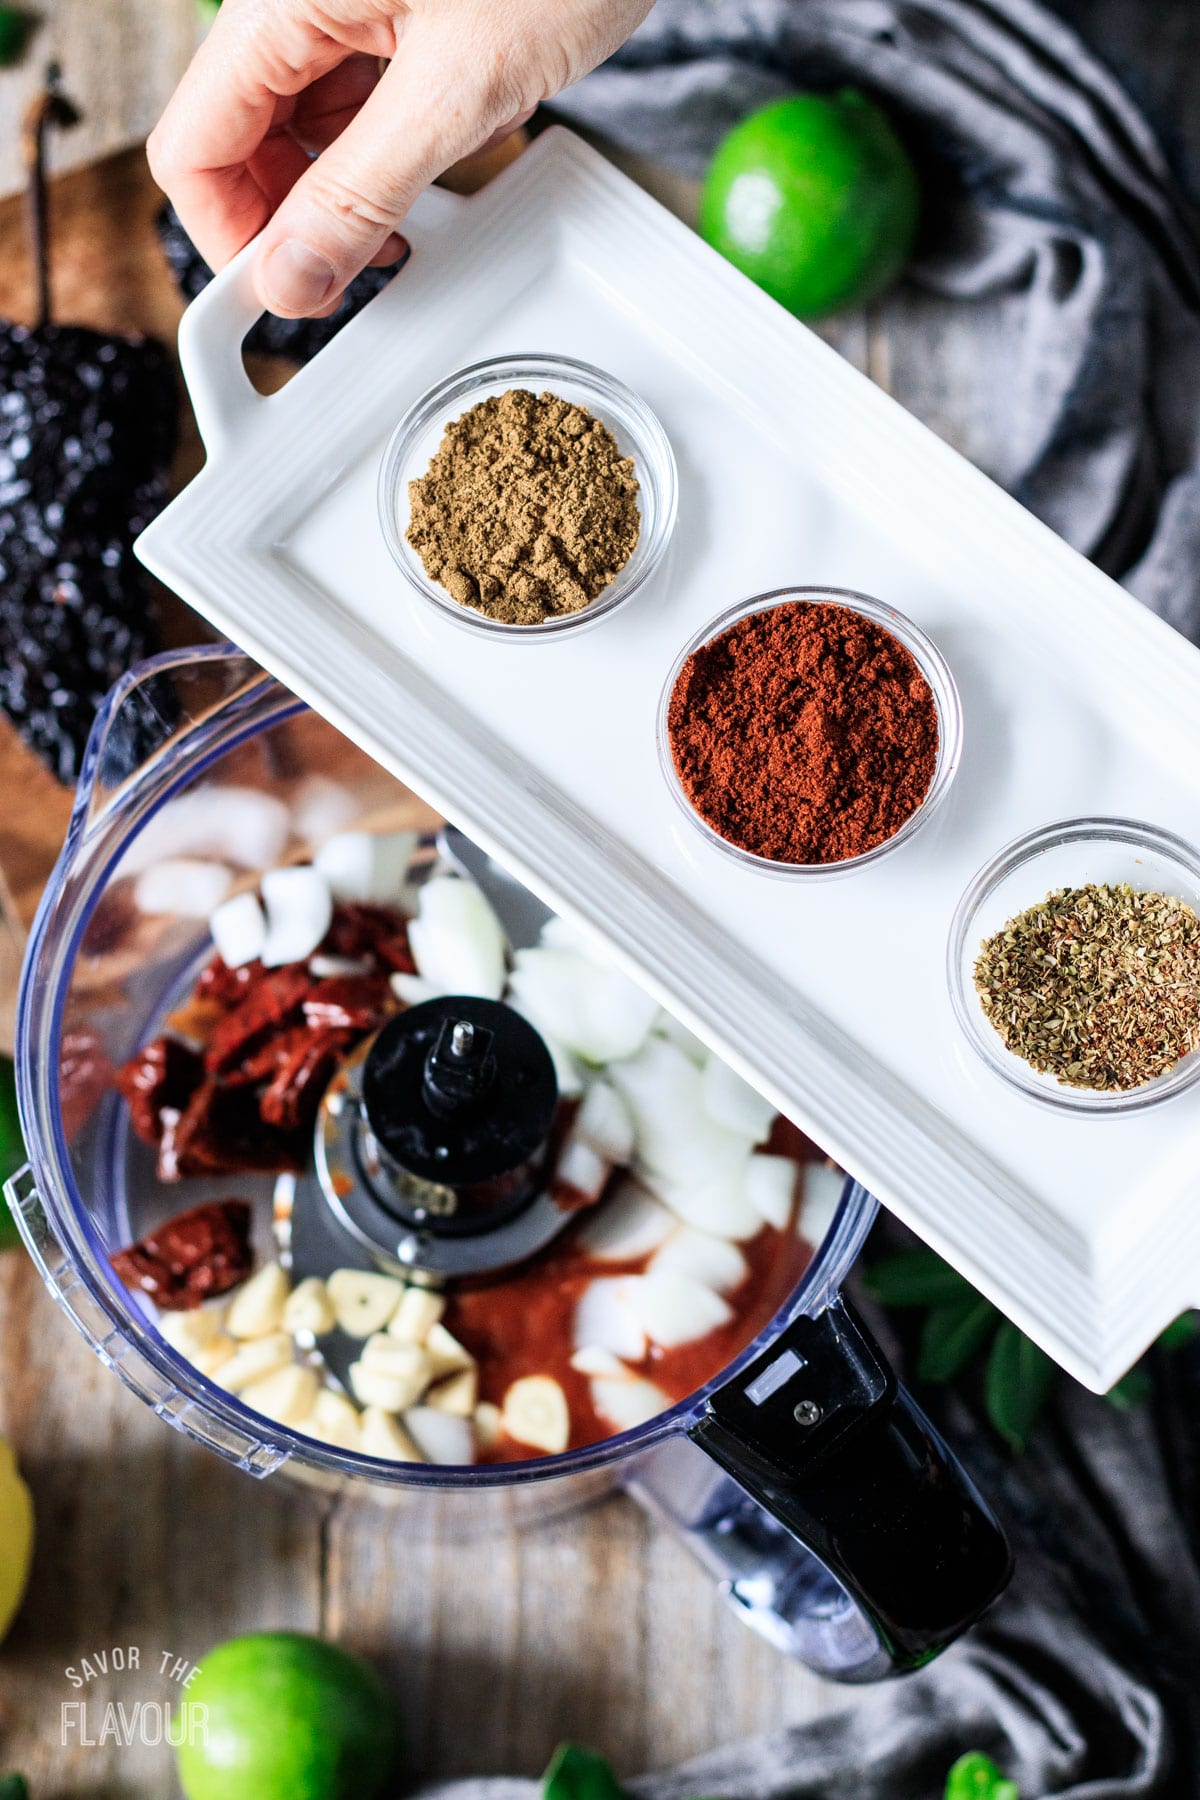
[(819, 1434)]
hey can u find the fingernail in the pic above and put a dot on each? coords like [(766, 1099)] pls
[(296, 278)]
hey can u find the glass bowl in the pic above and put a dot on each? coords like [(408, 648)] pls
[(1070, 853), (636, 429), (928, 659)]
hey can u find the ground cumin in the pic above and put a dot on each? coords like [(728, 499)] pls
[(528, 509), (804, 733)]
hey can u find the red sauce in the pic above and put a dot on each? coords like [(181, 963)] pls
[(523, 1325)]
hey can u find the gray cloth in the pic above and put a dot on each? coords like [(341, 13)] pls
[(1056, 217), (1050, 200)]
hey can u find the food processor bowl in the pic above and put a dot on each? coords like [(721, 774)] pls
[(829, 1511)]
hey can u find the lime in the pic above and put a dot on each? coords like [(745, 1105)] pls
[(16, 1536), (289, 1718), (815, 199)]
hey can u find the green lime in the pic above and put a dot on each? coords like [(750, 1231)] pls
[(288, 1718), (12, 1149), (815, 199)]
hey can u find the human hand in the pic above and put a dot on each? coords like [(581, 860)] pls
[(277, 80)]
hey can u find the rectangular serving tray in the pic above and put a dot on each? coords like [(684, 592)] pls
[(831, 996)]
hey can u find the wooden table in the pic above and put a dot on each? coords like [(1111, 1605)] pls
[(596, 1626)]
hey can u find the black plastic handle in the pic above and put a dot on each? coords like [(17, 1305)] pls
[(818, 1431)]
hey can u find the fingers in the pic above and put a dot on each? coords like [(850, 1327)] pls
[(222, 150), (426, 111)]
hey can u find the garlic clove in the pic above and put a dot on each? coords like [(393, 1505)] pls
[(363, 1301), (446, 1353), (386, 1438), (258, 1305), (420, 1309), (287, 1396), (455, 1394), (214, 1354), (487, 1420), (309, 1309), (254, 1361), (189, 1332), (535, 1412), (334, 1420)]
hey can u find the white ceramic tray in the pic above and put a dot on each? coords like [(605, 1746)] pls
[(794, 469)]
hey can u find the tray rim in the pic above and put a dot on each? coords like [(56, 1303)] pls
[(1097, 1335)]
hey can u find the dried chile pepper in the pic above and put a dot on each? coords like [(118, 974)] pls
[(270, 1003), (290, 1102), (164, 1073), (193, 1257), (349, 1003), (221, 1132), (88, 427)]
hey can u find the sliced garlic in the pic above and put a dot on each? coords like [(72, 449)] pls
[(385, 1437), (487, 1420), (287, 1396), (446, 1353), (457, 1394), (363, 1302), (420, 1309), (335, 1420), (257, 1307), (255, 1360), (309, 1309), (535, 1412), (239, 930)]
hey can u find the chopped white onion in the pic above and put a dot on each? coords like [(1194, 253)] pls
[(605, 1320), (456, 940), (605, 1122), (669, 1027), (592, 1360), (631, 1223), (325, 967), (321, 807), (626, 1404), (673, 1309), (367, 866), (182, 886), (820, 1197), (591, 1008), (239, 825), (733, 1103), (771, 1183), (714, 1261), (299, 913), (239, 930), (411, 989), (441, 1436), (567, 1072), (581, 1168)]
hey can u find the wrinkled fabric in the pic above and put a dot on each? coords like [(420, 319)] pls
[(1049, 199)]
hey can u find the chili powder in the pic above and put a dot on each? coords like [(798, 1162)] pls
[(803, 733)]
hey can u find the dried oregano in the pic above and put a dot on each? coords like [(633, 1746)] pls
[(1097, 986)]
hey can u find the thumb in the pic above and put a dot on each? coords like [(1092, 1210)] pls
[(351, 199)]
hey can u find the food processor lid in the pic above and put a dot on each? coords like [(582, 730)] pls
[(830, 997)]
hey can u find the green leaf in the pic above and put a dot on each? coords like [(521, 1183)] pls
[(951, 1335), (14, 1787), (976, 1777), (915, 1278), (12, 1147), (1132, 1390), (576, 1773), (1181, 1331), (14, 29), (1017, 1385)]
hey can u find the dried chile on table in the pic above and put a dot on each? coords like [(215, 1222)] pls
[(88, 427)]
